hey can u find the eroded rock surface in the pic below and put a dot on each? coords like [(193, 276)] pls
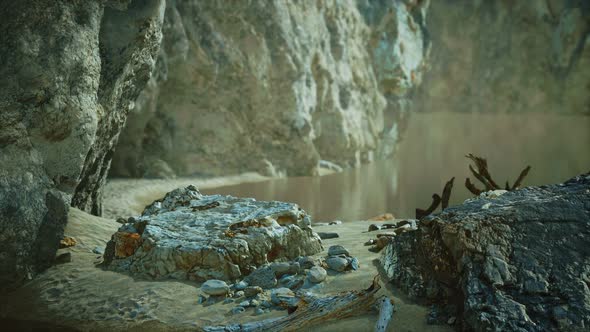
[(187, 235), (275, 86), (515, 262), (69, 71)]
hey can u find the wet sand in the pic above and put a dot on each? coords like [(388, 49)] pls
[(83, 296)]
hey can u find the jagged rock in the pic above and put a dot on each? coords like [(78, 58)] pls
[(215, 287), (70, 71), (187, 235), (306, 262), (283, 297), (513, 267), (337, 250), (281, 86), (317, 274), (338, 264)]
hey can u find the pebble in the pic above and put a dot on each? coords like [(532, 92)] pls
[(244, 304), (259, 311), (215, 287), (254, 303), (370, 242), (335, 222), (317, 274), (373, 227), (283, 296), (354, 263), (237, 310), (201, 299), (337, 263), (263, 277), (337, 250), (327, 235), (241, 285), (239, 294), (452, 320), (228, 300), (98, 250), (252, 291)]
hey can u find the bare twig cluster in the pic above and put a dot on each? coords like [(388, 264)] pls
[(437, 200), (482, 174)]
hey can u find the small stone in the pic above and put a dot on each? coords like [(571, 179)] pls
[(266, 304), (215, 287), (317, 274), (259, 311), (354, 263), (374, 227), (335, 222), (337, 250), (338, 264), (201, 299), (121, 220), (237, 310), (252, 291), (327, 235), (452, 320), (244, 304), (228, 300), (306, 262), (254, 303), (67, 242), (66, 257), (240, 285), (98, 250), (283, 296), (382, 242), (370, 242), (239, 294), (263, 277)]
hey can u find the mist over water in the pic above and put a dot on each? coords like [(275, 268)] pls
[(432, 151)]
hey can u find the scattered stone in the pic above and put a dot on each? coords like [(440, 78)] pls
[(335, 222), (370, 242), (337, 250), (283, 297), (254, 303), (98, 250), (259, 311), (241, 285), (174, 234), (244, 304), (66, 242), (306, 262), (228, 300), (317, 274), (383, 217), (66, 257), (263, 276), (121, 220), (239, 294), (354, 263), (374, 227), (201, 299), (237, 310), (326, 235), (282, 268), (215, 287), (251, 291), (338, 264)]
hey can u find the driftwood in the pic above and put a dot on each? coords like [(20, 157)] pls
[(385, 314), (437, 200), (311, 311), (482, 174)]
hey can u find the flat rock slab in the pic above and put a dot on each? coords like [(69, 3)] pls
[(187, 235)]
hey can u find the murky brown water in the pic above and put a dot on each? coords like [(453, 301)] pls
[(433, 149)]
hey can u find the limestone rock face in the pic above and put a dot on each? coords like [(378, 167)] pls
[(274, 86), (498, 56), (187, 235), (69, 70), (516, 262)]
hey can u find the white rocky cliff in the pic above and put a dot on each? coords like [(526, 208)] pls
[(275, 86)]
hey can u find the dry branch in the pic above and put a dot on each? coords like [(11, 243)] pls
[(472, 188), (521, 177), (446, 194), (311, 311), (482, 174), (435, 203)]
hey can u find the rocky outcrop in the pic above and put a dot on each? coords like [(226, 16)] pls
[(69, 71), (187, 235), (508, 56), (274, 86), (518, 262)]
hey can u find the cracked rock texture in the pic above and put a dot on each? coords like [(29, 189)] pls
[(69, 71), (508, 56), (517, 262), (275, 86), (187, 235)]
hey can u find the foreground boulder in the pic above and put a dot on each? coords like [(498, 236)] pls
[(517, 262), (187, 235)]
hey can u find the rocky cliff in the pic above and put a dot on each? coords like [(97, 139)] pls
[(69, 72), (275, 86), (508, 56)]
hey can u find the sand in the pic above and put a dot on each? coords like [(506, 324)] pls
[(83, 296)]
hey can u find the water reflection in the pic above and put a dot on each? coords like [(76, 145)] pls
[(433, 149)]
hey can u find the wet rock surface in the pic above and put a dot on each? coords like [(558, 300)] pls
[(187, 235), (522, 263)]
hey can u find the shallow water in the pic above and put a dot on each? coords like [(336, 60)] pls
[(432, 151)]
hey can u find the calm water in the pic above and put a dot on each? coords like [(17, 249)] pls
[(432, 151)]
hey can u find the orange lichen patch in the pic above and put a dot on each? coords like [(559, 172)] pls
[(286, 220), (383, 217), (67, 242), (126, 244)]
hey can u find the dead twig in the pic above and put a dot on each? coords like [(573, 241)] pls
[(446, 194), (483, 175), (521, 177), (435, 203)]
